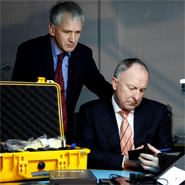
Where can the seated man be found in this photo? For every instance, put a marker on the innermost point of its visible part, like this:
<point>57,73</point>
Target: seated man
<point>110,128</point>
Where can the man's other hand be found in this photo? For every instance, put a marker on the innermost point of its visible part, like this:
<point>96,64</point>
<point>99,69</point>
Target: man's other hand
<point>148,161</point>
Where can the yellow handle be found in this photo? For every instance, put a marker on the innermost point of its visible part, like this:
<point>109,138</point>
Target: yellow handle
<point>41,80</point>
<point>30,176</point>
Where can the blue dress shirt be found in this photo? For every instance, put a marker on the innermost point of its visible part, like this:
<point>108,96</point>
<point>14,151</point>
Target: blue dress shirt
<point>65,62</point>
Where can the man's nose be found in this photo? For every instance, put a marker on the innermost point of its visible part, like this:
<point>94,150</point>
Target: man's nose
<point>137,95</point>
<point>72,37</point>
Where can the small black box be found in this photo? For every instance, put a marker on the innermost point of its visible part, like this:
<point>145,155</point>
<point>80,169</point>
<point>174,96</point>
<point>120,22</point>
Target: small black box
<point>134,154</point>
<point>72,177</point>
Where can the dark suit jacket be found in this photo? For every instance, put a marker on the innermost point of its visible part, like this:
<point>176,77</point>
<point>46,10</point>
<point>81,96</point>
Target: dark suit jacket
<point>98,131</point>
<point>34,59</point>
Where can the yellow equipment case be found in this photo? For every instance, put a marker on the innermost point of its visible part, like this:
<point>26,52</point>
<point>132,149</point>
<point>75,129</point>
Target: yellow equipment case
<point>32,109</point>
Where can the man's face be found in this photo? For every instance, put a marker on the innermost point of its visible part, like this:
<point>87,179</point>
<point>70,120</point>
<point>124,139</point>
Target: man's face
<point>66,35</point>
<point>130,87</point>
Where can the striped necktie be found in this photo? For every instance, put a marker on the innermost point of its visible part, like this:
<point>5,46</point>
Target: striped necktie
<point>59,79</point>
<point>126,134</point>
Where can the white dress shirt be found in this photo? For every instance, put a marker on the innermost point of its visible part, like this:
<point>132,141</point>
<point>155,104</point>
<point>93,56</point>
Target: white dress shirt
<point>119,118</point>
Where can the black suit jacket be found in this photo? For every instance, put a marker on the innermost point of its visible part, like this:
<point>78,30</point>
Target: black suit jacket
<point>98,131</point>
<point>34,59</point>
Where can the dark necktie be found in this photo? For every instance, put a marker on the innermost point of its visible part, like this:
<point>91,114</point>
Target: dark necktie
<point>59,79</point>
<point>126,135</point>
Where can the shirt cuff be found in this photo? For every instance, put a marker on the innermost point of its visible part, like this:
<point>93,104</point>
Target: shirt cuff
<point>123,162</point>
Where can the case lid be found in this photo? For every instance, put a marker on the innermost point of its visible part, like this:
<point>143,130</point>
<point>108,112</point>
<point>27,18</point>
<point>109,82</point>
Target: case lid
<point>30,109</point>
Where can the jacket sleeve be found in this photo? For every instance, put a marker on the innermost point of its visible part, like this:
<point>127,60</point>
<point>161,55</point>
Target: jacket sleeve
<point>33,60</point>
<point>95,81</point>
<point>25,66</point>
<point>164,138</point>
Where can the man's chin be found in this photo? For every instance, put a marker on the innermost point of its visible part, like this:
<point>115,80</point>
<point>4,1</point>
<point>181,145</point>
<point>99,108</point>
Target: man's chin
<point>68,50</point>
<point>132,107</point>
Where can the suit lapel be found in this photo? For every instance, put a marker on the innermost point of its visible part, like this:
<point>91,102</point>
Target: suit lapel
<point>74,69</point>
<point>110,128</point>
<point>47,58</point>
<point>141,123</point>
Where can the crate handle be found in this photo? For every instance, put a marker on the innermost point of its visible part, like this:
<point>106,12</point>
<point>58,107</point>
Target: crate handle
<point>23,168</point>
<point>21,173</point>
<point>41,79</point>
<point>30,176</point>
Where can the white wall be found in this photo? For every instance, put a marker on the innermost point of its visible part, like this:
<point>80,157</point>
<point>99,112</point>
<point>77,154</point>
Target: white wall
<point>153,31</point>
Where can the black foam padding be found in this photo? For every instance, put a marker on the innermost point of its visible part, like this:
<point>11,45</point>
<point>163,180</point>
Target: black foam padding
<point>28,111</point>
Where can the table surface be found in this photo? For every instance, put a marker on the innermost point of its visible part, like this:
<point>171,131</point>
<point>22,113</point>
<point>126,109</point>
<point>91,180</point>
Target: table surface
<point>104,174</point>
<point>99,174</point>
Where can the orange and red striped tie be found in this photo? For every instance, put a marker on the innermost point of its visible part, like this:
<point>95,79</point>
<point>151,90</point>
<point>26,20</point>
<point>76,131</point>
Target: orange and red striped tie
<point>126,134</point>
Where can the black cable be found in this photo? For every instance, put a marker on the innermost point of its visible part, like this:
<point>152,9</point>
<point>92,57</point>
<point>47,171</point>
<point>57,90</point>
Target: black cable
<point>113,176</point>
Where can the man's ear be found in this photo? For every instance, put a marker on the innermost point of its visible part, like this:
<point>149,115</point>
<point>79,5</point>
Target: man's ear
<point>114,83</point>
<point>51,29</point>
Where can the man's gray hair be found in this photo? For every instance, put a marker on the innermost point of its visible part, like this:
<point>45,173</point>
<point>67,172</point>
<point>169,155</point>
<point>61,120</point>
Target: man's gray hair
<point>126,64</point>
<point>61,8</point>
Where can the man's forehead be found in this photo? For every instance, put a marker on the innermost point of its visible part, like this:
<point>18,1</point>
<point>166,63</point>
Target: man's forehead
<point>135,77</point>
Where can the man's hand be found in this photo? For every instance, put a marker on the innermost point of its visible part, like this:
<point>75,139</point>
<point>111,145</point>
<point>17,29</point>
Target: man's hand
<point>132,163</point>
<point>148,161</point>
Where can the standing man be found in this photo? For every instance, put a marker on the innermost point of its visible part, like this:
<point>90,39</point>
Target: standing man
<point>58,56</point>
<point>146,122</point>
